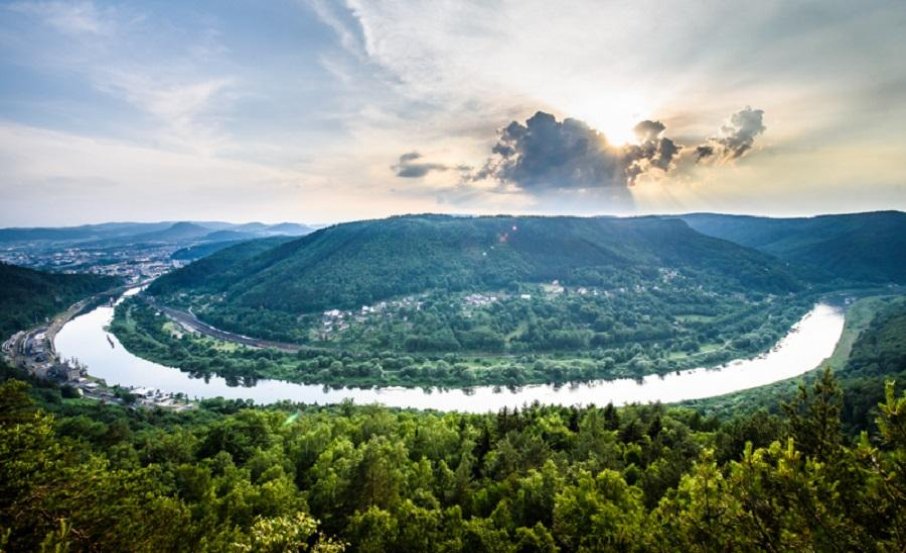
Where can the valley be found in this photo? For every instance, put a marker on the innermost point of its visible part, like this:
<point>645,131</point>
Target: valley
<point>481,411</point>
<point>343,276</point>
<point>432,300</point>
<point>807,344</point>
<point>382,348</point>
<point>499,301</point>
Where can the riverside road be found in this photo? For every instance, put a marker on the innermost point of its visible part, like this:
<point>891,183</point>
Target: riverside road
<point>193,324</point>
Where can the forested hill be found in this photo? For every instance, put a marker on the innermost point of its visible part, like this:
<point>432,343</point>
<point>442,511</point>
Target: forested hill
<point>857,246</point>
<point>80,476</point>
<point>359,263</point>
<point>28,296</point>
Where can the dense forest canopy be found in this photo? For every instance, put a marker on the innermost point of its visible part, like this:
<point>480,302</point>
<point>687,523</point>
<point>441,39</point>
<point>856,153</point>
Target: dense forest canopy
<point>28,297</point>
<point>359,263</point>
<point>80,476</point>
<point>511,342</point>
<point>856,247</point>
<point>264,291</point>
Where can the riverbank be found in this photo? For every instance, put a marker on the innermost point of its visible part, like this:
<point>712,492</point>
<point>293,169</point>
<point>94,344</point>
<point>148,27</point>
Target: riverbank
<point>810,341</point>
<point>859,316</point>
<point>175,338</point>
<point>34,351</point>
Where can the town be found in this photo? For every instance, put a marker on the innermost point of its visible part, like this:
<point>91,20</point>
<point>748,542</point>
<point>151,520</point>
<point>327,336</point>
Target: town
<point>132,263</point>
<point>34,351</point>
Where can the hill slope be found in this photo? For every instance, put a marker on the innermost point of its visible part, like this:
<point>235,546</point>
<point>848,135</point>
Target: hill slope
<point>27,296</point>
<point>359,263</point>
<point>859,246</point>
<point>218,257</point>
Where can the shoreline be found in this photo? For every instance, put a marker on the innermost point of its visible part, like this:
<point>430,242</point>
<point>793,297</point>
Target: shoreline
<point>143,373</point>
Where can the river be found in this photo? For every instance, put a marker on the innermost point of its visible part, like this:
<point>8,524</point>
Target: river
<point>808,343</point>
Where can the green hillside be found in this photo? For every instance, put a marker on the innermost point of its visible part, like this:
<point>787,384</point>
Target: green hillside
<point>359,263</point>
<point>859,246</point>
<point>27,297</point>
<point>431,283</point>
<point>205,249</point>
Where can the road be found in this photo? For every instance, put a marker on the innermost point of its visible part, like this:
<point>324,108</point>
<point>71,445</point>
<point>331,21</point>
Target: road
<point>192,323</point>
<point>16,347</point>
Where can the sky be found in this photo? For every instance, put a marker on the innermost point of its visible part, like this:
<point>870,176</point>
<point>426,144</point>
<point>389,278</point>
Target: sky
<point>315,111</point>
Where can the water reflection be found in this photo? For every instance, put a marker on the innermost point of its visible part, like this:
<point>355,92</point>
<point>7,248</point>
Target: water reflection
<point>809,342</point>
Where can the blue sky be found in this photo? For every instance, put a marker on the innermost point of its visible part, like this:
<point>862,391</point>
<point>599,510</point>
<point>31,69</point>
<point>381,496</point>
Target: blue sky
<point>318,111</point>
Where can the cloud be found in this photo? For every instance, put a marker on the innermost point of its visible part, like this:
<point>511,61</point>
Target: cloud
<point>75,178</point>
<point>183,106</point>
<point>546,154</point>
<point>174,81</point>
<point>73,18</point>
<point>703,151</point>
<point>649,130</point>
<point>343,23</point>
<point>653,150</point>
<point>737,136</point>
<point>569,163</point>
<point>409,168</point>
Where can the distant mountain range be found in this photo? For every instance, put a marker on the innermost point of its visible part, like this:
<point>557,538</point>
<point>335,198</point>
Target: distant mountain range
<point>183,233</point>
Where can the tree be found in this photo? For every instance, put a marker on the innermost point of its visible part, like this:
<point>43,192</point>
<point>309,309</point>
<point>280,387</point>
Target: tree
<point>600,513</point>
<point>814,416</point>
<point>296,533</point>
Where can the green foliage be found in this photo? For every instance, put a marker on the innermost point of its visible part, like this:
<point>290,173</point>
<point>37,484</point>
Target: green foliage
<point>852,247</point>
<point>814,416</point>
<point>283,534</point>
<point>444,341</point>
<point>28,297</point>
<point>81,476</point>
<point>249,288</point>
<point>877,355</point>
<point>224,259</point>
<point>871,351</point>
<point>227,477</point>
<point>197,251</point>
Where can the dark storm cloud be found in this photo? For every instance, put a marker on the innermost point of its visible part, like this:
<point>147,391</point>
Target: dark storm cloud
<point>653,150</point>
<point>408,166</point>
<point>703,151</point>
<point>545,157</point>
<point>737,136</point>
<point>546,154</point>
<point>649,130</point>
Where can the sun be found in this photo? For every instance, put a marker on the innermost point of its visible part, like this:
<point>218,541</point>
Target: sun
<point>614,117</point>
